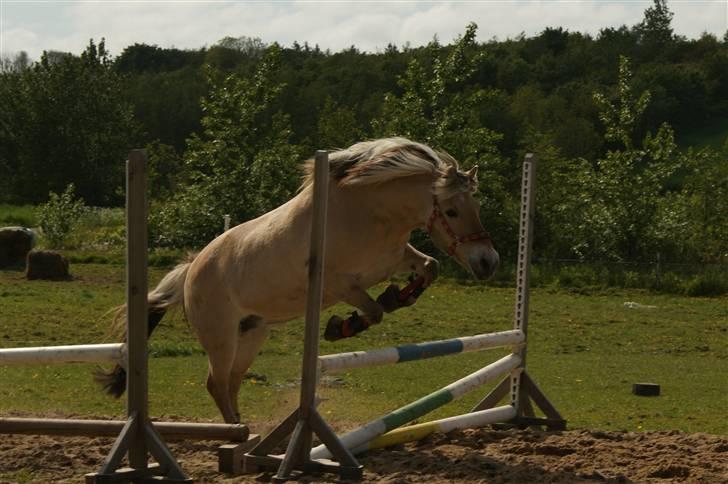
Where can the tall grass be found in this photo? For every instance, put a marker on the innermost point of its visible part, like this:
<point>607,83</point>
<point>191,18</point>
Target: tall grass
<point>21,215</point>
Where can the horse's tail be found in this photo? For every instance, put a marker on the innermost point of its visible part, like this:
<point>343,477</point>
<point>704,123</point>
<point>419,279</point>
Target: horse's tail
<point>168,293</point>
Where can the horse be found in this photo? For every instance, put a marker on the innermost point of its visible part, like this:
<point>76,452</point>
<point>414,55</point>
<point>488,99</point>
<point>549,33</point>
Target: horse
<point>255,274</point>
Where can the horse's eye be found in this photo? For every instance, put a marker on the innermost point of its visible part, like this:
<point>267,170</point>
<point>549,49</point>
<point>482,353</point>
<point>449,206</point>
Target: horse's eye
<point>451,213</point>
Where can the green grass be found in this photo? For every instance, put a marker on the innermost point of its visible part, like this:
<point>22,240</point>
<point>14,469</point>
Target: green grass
<point>21,215</point>
<point>585,351</point>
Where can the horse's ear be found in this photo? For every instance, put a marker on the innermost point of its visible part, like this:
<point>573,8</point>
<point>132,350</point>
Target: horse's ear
<point>472,173</point>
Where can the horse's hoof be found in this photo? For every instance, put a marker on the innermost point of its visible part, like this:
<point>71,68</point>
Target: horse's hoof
<point>333,330</point>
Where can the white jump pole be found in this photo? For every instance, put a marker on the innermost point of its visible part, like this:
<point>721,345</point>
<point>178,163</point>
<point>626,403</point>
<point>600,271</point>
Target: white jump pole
<point>46,355</point>
<point>419,351</point>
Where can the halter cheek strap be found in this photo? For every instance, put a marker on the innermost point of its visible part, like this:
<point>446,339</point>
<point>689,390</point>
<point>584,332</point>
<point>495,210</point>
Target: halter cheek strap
<point>456,240</point>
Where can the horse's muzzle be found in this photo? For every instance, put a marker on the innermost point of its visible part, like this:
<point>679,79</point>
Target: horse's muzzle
<point>485,265</point>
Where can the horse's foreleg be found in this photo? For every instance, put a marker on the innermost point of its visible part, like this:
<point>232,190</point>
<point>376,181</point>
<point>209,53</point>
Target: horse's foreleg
<point>422,264</point>
<point>338,328</point>
<point>415,261</point>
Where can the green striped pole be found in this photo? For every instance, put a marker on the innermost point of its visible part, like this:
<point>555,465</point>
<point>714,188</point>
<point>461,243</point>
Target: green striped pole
<point>423,406</point>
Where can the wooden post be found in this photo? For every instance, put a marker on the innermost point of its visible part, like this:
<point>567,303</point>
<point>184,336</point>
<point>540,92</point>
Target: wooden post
<point>305,420</point>
<point>299,447</point>
<point>136,304</point>
<point>138,437</point>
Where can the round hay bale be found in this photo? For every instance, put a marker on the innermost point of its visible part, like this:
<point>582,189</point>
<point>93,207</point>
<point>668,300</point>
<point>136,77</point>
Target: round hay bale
<point>15,243</point>
<point>48,265</point>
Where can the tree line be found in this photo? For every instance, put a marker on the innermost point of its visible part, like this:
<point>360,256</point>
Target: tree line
<point>227,127</point>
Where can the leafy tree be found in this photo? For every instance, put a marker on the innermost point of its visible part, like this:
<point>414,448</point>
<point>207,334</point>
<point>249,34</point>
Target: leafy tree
<point>252,47</point>
<point>656,29</point>
<point>436,107</point>
<point>242,163</point>
<point>60,215</point>
<point>64,120</point>
<point>623,188</point>
<point>691,223</point>
<point>165,169</point>
<point>620,118</point>
<point>20,62</point>
<point>337,126</point>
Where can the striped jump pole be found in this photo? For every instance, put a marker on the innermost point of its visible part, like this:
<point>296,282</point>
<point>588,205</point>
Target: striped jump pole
<point>421,351</point>
<point>445,425</point>
<point>358,437</point>
<point>46,355</point>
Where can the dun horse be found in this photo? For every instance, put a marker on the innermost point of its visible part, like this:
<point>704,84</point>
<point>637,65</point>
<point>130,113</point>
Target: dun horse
<point>255,274</point>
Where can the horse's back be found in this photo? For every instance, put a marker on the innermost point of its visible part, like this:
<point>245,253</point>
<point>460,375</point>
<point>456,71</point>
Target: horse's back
<point>256,268</point>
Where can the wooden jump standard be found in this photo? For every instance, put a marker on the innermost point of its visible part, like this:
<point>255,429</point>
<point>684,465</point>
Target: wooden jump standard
<point>138,436</point>
<point>381,432</point>
<point>305,420</point>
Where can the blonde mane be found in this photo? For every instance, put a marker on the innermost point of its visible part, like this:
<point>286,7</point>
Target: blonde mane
<point>383,160</point>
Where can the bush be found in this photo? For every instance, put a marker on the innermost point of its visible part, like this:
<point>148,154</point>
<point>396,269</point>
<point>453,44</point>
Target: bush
<point>60,215</point>
<point>581,277</point>
<point>670,283</point>
<point>708,284</point>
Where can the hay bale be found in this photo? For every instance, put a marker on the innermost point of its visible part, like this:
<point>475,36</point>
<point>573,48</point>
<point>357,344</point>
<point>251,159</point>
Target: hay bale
<point>15,243</point>
<point>47,264</point>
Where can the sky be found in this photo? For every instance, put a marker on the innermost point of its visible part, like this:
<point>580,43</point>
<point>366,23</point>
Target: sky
<point>37,25</point>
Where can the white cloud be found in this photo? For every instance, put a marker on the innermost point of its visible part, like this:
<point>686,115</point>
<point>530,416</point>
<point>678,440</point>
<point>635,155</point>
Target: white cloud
<point>336,25</point>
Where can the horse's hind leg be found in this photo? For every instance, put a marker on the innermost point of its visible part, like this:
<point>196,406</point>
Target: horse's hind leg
<point>218,379</point>
<point>220,343</point>
<point>253,333</point>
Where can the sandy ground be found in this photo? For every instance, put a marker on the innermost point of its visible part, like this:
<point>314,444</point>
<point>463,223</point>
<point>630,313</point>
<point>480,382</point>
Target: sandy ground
<point>485,455</point>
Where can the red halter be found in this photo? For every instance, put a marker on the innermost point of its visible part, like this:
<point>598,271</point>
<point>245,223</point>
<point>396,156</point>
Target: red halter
<point>456,240</point>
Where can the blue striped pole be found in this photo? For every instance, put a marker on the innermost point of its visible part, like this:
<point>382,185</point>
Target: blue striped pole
<point>358,437</point>
<point>432,349</point>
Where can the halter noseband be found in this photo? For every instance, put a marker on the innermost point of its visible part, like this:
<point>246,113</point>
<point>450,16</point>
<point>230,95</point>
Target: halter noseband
<point>456,239</point>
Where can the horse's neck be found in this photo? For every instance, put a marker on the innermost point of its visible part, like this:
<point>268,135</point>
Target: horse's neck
<point>404,203</point>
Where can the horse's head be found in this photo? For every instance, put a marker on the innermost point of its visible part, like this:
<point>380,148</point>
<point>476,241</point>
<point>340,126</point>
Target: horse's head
<point>455,226</point>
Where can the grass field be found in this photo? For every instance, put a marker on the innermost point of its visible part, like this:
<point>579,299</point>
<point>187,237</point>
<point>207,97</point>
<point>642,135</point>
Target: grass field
<point>585,351</point>
<point>22,215</point>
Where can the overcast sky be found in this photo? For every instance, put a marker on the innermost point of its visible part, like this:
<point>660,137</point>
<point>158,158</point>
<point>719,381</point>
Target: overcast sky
<point>34,26</point>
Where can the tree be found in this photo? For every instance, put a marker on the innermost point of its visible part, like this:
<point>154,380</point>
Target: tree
<point>19,63</point>
<point>241,164</point>
<point>622,191</point>
<point>692,222</point>
<point>252,47</point>
<point>620,118</point>
<point>337,126</point>
<point>655,30</point>
<point>64,120</point>
<point>437,107</point>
